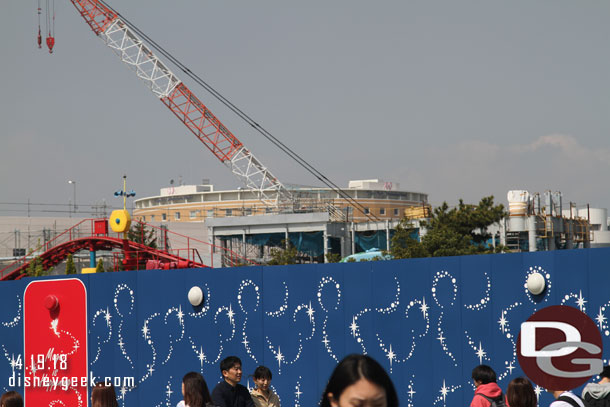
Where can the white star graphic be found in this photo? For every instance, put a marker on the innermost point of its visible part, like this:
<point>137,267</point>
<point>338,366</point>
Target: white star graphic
<point>279,357</point>
<point>310,312</point>
<point>245,341</point>
<point>411,392</point>
<point>424,307</point>
<point>180,314</point>
<point>325,341</point>
<point>444,390</point>
<point>601,318</point>
<point>441,338</point>
<point>169,391</point>
<point>150,370</point>
<point>538,390</point>
<point>107,317</point>
<point>502,321</point>
<point>481,353</point>
<point>510,367</point>
<point>201,355</point>
<point>145,331</point>
<point>391,355</point>
<point>298,393</point>
<point>354,327</point>
<point>230,314</point>
<point>581,301</point>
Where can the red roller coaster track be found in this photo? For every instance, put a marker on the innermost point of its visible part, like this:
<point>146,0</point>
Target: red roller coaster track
<point>87,235</point>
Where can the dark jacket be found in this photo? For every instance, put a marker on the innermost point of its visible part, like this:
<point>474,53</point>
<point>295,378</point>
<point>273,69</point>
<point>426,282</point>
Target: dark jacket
<point>225,395</point>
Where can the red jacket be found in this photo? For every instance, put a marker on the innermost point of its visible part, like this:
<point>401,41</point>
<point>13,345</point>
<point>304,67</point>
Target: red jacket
<point>491,390</point>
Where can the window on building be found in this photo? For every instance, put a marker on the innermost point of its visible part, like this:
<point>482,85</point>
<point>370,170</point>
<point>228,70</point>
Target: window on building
<point>366,211</point>
<point>163,216</point>
<point>152,218</point>
<point>382,211</point>
<point>143,219</point>
<point>228,212</point>
<point>210,213</point>
<point>247,211</point>
<point>395,211</point>
<point>177,216</point>
<point>193,214</point>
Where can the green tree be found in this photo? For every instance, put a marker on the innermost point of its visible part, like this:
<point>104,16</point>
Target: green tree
<point>35,268</point>
<point>453,231</point>
<point>100,267</point>
<point>70,267</point>
<point>283,255</point>
<point>139,233</point>
<point>333,257</point>
<point>403,245</point>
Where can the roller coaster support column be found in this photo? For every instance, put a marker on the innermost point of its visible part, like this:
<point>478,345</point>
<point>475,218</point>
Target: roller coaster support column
<point>92,261</point>
<point>129,263</point>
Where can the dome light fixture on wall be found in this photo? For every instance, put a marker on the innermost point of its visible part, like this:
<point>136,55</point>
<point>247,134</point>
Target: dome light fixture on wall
<point>195,296</point>
<point>536,283</point>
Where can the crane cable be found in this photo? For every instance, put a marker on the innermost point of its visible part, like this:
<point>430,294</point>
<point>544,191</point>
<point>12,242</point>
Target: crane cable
<point>301,161</point>
<point>39,32</point>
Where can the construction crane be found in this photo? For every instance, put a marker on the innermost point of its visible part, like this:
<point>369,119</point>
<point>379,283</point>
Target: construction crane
<point>174,94</point>
<point>122,37</point>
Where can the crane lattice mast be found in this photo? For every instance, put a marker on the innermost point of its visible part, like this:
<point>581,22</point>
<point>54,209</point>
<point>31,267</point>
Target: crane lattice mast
<point>174,94</point>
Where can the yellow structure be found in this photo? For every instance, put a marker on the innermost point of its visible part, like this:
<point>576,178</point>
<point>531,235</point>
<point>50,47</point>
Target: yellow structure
<point>120,221</point>
<point>88,270</point>
<point>418,212</point>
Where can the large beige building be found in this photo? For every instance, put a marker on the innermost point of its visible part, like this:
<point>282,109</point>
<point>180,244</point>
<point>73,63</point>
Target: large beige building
<point>195,203</point>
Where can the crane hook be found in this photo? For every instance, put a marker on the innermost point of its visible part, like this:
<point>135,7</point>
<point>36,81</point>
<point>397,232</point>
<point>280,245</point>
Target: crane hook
<point>50,43</point>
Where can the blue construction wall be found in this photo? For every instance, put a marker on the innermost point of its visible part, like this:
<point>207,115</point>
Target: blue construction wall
<point>428,321</point>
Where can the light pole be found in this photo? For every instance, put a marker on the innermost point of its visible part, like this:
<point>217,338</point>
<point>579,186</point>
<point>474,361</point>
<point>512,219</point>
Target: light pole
<point>74,195</point>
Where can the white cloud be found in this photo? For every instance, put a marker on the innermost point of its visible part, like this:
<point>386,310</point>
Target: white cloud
<point>566,145</point>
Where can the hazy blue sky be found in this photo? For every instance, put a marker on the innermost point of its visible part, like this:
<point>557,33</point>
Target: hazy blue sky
<point>452,98</point>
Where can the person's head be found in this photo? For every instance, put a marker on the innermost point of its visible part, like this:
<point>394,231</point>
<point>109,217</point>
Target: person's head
<point>520,393</point>
<point>359,379</point>
<point>230,368</point>
<point>483,374</point>
<point>262,378</point>
<point>195,390</point>
<point>11,399</point>
<point>605,375</point>
<point>103,396</point>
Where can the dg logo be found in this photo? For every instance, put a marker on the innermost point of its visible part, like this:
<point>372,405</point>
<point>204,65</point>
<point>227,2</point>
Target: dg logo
<point>560,348</point>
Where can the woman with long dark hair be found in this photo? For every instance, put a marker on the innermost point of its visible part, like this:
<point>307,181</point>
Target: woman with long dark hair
<point>103,396</point>
<point>195,391</point>
<point>520,393</point>
<point>359,379</point>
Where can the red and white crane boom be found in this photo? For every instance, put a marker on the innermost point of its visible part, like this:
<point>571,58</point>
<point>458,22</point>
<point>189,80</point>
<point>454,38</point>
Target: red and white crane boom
<point>174,94</point>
